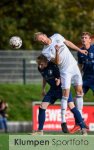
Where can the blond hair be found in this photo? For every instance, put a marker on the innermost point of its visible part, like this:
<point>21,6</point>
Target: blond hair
<point>38,34</point>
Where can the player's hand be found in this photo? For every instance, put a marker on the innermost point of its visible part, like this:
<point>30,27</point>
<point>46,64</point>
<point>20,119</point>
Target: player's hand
<point>57,47</point>
<point>85,52</point>
<point>57,81</point>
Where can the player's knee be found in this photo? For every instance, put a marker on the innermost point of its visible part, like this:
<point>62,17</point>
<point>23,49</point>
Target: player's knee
<point>65,92</point>
<point>44,105</point>
<point>79,95</point>
<point>71,105</point>
<point>79,92</point>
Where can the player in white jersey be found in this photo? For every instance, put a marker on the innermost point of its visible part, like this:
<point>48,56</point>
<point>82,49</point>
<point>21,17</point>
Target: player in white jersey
<point>55,49</point>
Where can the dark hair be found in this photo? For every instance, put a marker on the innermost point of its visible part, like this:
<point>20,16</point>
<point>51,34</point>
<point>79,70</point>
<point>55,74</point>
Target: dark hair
<point>42,58</point>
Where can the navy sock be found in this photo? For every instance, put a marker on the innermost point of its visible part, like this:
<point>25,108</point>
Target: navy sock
<point>78,117</point>
<point>41,118</point>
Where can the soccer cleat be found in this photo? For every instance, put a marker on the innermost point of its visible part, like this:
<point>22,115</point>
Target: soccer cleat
<point>64,127</point>
<point>75,129</point>
<point>37,133</point>
<point>85,125</point>
<point>84,131</point>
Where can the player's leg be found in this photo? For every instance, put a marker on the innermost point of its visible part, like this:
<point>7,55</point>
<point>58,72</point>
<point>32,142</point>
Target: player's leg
<point>88,83</point>
<point>64,101</point>
<point>73,110</point>
<point>64,104</point>
<point>79,93</point>
<point>79,98</point>
<point>65,84</point>
<point>77,80</point>
<point>41,119</point>
<point>48,99</point>
<point>79,102</point>
<point>41,116</point>
<point>78,118</point>
<point>85,86</point>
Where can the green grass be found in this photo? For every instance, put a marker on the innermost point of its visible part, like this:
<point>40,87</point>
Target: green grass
<point>4,142</point>
<point>20,97</point>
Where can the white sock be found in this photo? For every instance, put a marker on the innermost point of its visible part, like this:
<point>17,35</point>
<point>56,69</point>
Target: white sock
<point>63,108</point>
<point>79,103</point>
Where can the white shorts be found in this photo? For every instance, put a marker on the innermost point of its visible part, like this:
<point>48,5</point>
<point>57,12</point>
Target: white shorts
<point>72,75</point>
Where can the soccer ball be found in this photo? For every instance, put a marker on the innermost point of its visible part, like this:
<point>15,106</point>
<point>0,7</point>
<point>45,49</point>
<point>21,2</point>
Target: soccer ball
<point>15,42</point>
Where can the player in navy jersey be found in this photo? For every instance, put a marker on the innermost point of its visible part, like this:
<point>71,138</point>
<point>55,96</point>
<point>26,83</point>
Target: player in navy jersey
<point>51,75</point>
<point>86,63</point>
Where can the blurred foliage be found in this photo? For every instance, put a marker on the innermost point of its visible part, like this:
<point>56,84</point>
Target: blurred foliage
<point>25,17</point>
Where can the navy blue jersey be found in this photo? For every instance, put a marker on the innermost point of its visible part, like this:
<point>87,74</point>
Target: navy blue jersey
<point>50,73</point>
<point>55,92</point>
<point>87,61</point>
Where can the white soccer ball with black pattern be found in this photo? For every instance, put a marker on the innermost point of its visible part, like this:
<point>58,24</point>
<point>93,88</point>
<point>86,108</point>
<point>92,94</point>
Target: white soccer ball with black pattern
<point>15,42</point>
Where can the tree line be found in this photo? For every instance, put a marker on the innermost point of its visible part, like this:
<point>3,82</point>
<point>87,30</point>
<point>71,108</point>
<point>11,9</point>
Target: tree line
<point>25,17</point>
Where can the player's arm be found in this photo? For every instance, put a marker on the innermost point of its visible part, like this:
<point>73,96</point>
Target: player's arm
<point>56,74</point>
<point>74,47</point>
<point>43,86</point>
<point>56,60</point>
<point>57,80</point>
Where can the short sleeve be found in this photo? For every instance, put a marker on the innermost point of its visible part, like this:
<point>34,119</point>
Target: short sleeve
<point>60,37</point>
<point>49,56</point>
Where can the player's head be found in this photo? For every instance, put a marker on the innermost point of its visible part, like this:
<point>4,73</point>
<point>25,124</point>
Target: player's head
<point>86,38</point>
<point>42,38</point>
<point>42,61</point>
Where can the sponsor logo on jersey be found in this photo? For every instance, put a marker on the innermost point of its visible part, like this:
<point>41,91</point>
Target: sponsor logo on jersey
<point>91,55</point>
<point>50,72</point>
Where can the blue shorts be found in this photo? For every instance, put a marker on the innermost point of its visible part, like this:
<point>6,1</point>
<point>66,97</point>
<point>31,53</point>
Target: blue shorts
<point>88,83</point>
<point>53,95</point>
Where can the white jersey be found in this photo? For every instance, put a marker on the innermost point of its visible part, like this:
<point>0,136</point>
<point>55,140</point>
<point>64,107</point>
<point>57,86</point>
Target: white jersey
<point>65,56</point>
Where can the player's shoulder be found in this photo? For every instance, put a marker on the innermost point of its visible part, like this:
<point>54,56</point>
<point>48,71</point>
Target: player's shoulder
<point>53,65</point>
<point>92,46</point>
<point>50,63</point>
<point>56,35</point>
